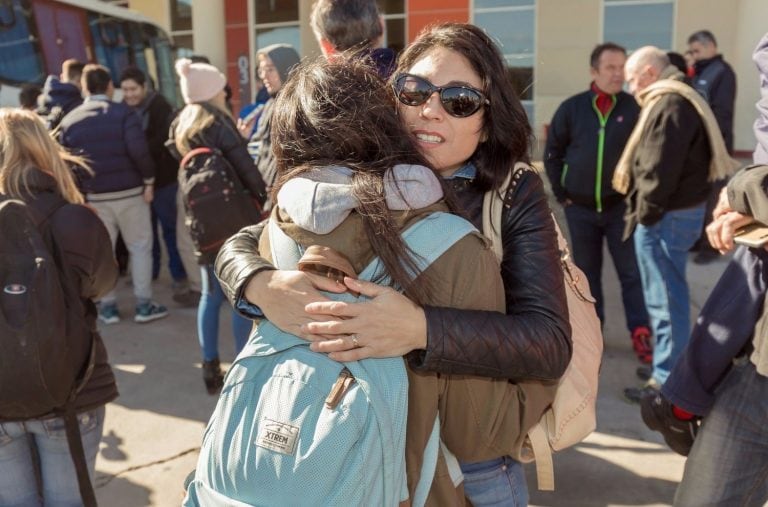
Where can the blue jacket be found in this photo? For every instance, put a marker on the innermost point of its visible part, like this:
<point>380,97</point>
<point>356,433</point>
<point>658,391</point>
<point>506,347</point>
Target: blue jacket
<point>583,148</point>
<point>57,94</point>
<point>110,136</point>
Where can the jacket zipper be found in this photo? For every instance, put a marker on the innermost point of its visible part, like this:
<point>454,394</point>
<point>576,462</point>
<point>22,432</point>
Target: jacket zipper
<point>340,388</point>
<point>600,149</point>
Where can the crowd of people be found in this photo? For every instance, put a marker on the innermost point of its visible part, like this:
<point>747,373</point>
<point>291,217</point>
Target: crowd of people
<point>341,159</point>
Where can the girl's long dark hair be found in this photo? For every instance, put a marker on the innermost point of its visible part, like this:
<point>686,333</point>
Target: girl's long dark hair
<point>507,131</point>
<point>341,113</point>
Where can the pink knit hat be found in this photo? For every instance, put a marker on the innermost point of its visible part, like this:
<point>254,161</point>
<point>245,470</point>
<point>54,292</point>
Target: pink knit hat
<point>199,81</point>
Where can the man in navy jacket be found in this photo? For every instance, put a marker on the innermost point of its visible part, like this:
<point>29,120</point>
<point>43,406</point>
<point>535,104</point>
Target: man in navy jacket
<point>120,186</point>
<point>584,142</point>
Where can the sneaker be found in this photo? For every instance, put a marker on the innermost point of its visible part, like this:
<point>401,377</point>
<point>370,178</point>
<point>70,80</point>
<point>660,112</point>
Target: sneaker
<point>642,344</point>
<point>657,414</point>
<point>188,299</point>
<point>635,394</point>
<point>147,312</point>
<point>108,314</point>
<point>213,376</point>
<point>644,373</point>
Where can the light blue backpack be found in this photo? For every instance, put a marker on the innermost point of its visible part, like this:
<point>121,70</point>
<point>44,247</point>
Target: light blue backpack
<point>293,427</point>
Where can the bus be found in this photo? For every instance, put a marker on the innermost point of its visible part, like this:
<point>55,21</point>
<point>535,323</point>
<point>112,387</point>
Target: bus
<point>36,36</point>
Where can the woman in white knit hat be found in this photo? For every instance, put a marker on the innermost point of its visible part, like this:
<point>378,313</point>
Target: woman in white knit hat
<point>205,122</point>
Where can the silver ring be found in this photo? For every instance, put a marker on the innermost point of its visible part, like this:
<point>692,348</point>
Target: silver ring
<point>354,341</point>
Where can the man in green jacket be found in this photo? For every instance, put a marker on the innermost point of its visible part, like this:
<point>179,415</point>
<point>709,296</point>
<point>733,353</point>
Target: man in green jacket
<point>585,140</point>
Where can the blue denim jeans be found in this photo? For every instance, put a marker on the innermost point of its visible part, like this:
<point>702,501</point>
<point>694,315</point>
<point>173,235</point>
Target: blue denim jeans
<point>662,254</point>
<point>211,300</point>
<point>588,229</point>
<point>18,483</point>
<point>164,212</point>
<point>498,482</point>
<point>728,464</point>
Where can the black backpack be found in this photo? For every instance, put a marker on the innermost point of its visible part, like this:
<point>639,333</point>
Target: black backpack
<point>47,351</point>
<point>216,202</point>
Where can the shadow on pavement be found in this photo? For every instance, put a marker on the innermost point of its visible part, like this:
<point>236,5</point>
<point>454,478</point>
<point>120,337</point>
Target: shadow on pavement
<point>122,493</point>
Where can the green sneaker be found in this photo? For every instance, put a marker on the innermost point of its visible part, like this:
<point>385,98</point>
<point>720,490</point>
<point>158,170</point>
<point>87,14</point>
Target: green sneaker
<point>108,314</point>
<point>147,312</point>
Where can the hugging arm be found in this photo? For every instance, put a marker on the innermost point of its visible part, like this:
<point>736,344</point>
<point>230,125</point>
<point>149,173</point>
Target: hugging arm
<point>532,341</point>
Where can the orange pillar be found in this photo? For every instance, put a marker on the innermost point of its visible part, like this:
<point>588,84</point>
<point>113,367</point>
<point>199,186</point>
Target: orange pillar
<point>237,32</point>
<point>425,12</point>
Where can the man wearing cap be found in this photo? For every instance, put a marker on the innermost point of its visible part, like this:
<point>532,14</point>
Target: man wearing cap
<point>275,63</point>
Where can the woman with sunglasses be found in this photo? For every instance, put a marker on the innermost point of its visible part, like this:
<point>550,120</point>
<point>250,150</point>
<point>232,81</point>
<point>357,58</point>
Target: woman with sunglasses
<point>457,101</point>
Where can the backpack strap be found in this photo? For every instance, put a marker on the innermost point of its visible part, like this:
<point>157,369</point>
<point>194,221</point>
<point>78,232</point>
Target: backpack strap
<point>77,453</point>
<point>71,425</point>
<point>192,154</point>
<point>428,239</point>
<point>493,207</point>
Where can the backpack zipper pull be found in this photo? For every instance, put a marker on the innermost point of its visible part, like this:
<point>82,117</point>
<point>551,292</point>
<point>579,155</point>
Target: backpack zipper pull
<point>339,388</point>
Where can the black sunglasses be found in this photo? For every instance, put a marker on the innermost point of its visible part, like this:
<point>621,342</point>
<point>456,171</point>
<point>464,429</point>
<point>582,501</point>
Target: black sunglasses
<point>459,101</point>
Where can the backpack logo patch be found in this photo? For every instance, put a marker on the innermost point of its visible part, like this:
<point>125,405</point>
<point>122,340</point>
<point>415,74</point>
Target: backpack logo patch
<point>15,289</point>
<point>277,436</point>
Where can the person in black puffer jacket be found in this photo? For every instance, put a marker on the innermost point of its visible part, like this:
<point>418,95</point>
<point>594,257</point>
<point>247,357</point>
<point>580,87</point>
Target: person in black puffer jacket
<point>206,122</point>
<point>475,152</point>
<point>39,176</point>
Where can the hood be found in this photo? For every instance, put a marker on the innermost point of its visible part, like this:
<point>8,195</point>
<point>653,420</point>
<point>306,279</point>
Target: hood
<point>284,58</point>
<point>56,93</point>
<point>321,199</point>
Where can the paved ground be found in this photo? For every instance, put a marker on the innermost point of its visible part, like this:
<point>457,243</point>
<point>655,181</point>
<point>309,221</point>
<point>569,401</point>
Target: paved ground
<point>153,430</point>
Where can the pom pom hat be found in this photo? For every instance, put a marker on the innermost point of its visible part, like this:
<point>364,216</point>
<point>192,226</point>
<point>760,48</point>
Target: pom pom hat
<point>199,82</point>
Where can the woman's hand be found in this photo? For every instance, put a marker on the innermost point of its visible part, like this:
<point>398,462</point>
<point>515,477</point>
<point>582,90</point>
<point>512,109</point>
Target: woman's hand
<point>720,232</point>
<point>282,296</point>
<point>723,205</point>
<point>387,325</point>
<point>245,127</point>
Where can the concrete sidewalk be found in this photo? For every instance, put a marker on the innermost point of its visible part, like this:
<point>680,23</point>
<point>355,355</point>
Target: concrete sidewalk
<point>153,430</point>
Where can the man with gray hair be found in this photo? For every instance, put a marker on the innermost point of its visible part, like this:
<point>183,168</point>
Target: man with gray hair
<point>673,154</point>
<point>352,25</point>
<point>715,80</point>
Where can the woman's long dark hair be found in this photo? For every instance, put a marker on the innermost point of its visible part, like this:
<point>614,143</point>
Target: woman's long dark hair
<point>341,113</point>
<point>507,131</point>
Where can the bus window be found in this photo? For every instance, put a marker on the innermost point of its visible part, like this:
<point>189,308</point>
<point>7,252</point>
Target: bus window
<point>110,44</point>
<point>163,56</point>
<point>20,60</point>
<point>138,43</point>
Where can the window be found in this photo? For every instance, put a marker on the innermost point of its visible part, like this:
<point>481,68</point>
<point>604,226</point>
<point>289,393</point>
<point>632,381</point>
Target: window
<point>277,21</point>
<point>181,27</point>
<point>394,24</point>
<point>181,15</point>
<point>637,23</point>
<point>512,24</point>
<point>110,43</point>
<point>20,60</point>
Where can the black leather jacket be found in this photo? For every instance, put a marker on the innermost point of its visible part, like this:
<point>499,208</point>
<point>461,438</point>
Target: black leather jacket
<point>531,342</point>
